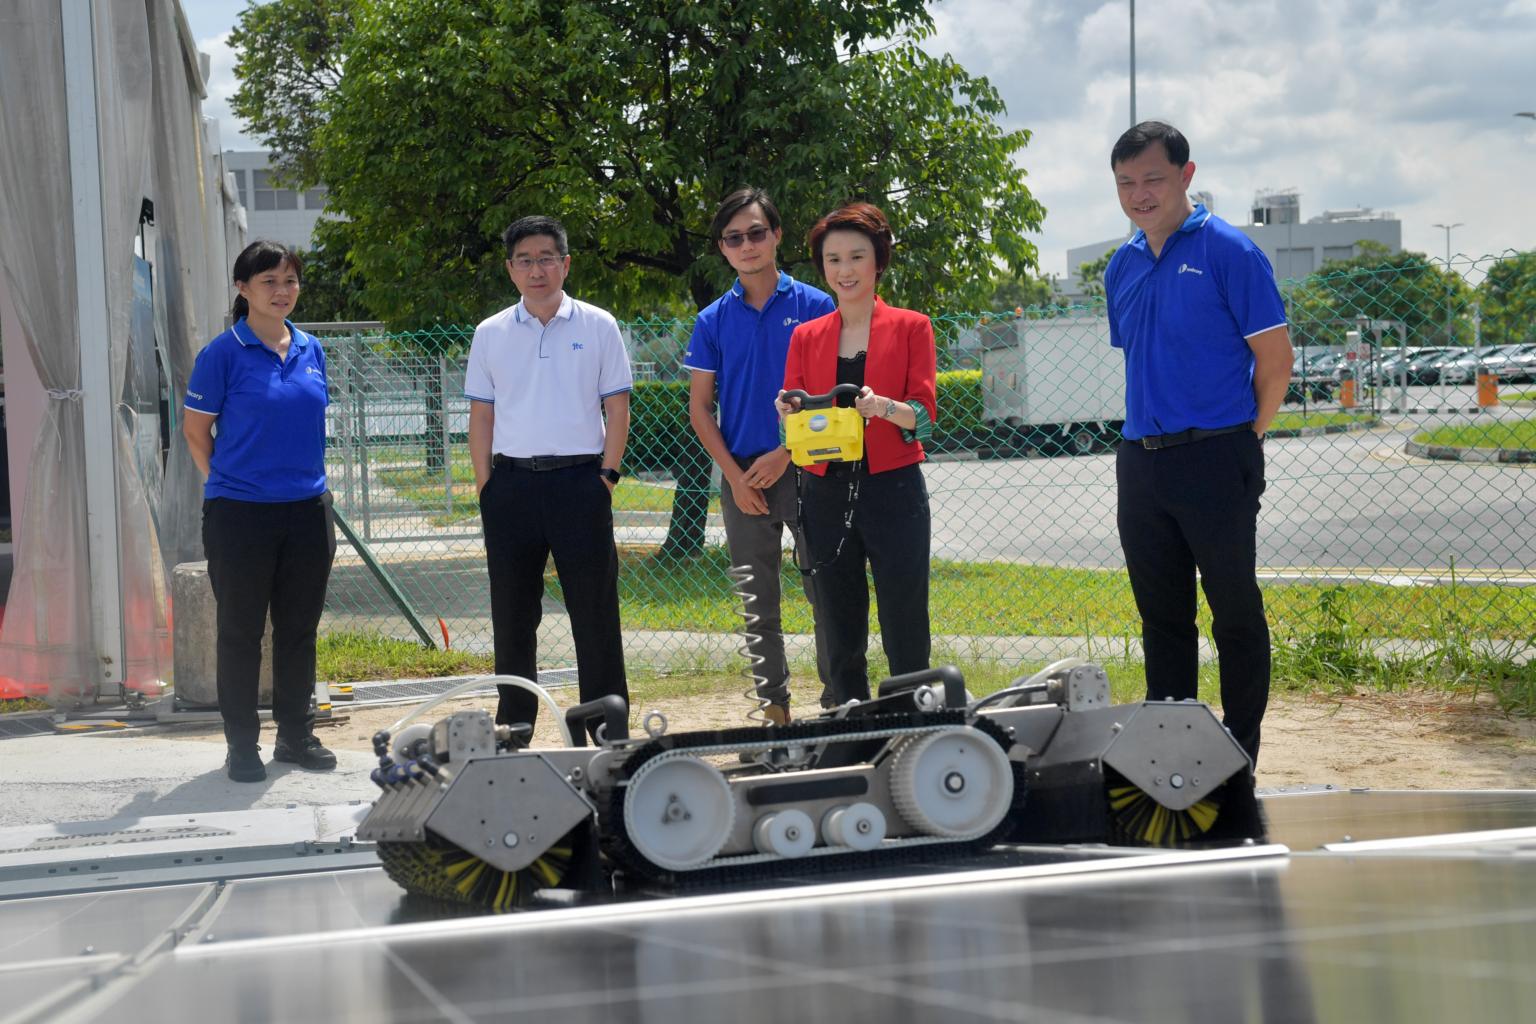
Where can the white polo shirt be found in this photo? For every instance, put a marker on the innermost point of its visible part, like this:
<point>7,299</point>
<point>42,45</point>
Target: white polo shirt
<point>548,382</point>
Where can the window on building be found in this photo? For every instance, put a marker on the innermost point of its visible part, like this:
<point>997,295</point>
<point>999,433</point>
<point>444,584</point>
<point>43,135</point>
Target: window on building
<point>314,199</point>
<point>240,187</point>
<point>1338,252</point>
<point>268,196</point>
<point>261,191</point>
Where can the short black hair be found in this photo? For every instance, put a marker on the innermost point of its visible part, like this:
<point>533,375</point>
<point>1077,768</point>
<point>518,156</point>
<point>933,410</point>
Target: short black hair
<point>527,227</point>
<point>737,201</point>
<point>1131,144</point>
<point>257,258</point>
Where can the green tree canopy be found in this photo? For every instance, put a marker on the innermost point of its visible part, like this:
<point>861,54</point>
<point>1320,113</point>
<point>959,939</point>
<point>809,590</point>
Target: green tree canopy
<point>1012,291</point>
<point>1379,284</point>
<point>1090,275</point>
<point>435,124</point>
<point>1507,298</point>
<point>332,292</point>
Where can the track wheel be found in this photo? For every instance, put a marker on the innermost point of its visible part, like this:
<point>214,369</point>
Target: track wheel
<point>956,783</point>
<point>678,812</point>
<point>442,870</point>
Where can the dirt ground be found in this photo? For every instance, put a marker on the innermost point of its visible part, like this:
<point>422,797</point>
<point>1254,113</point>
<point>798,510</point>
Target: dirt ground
<point>1418,740</point>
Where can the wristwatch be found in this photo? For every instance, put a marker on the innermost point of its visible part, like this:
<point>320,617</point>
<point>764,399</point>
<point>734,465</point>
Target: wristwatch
<point>611,475</point>
<point>890,408</point>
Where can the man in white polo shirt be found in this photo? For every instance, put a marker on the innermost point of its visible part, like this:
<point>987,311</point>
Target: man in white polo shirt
<point>543,377</point>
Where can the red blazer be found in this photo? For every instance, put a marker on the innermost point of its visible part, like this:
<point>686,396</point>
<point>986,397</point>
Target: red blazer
<point>900,364</point>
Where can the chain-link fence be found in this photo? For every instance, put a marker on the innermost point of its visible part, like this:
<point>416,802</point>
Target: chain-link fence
<point>1360,522</point>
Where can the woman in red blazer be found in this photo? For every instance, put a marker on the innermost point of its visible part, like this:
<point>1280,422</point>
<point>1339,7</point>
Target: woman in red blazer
<point>889,353</point>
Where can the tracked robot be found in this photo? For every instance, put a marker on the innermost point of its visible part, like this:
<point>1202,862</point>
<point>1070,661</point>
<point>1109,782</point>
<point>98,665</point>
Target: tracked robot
<point>471,814</point>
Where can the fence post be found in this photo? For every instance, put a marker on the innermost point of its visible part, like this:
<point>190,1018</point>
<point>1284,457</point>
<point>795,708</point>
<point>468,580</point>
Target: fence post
<point>447,434</point>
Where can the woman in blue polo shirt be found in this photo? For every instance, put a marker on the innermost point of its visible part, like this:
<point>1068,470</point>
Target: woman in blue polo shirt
<point>268,531</point>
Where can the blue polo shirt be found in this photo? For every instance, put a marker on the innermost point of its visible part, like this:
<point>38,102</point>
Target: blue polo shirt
<point>269,441</point>
<point>1183,319</point>
<point>746,350</point>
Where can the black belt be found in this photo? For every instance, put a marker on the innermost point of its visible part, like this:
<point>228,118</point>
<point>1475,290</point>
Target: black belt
<point>544,463</point>
<point>1155,441</point>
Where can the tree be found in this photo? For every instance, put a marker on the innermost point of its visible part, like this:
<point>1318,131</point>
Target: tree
<point>1020,291</point>
<point>288,59</point>
<point>630,119</point>
<point>1378,284</point>
<point>1507,299</point>
<point>332,292</point>
<point>1090,275</point>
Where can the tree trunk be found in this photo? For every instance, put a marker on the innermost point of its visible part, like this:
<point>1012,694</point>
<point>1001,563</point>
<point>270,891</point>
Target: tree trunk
<point>692,469</point>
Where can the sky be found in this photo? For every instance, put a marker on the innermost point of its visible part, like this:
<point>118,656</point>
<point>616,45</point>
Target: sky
<point>1400,105</point>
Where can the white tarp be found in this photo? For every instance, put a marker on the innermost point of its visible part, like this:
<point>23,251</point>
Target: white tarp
<point>151,141</point>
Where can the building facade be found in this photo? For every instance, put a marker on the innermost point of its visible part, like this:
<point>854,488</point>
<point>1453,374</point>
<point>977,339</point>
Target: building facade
<point>1294,248</point>
<point>272,212</point>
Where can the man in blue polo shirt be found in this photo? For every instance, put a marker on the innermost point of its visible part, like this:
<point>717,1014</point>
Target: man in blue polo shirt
<point>1194,306</point>
<point>737,352</point>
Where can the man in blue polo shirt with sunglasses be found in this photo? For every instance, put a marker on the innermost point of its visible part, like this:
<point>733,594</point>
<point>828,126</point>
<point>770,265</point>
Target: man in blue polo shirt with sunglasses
<point>1194,305</point>
<point>737,353</point>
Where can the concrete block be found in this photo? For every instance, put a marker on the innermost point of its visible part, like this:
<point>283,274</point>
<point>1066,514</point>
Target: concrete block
<point>195,639</point>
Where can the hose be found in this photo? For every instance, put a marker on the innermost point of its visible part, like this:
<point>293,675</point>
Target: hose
<point>742,577</point>
<point>517,681</point>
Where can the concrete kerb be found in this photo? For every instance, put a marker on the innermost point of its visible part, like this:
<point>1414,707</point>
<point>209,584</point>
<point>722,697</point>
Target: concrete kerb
<point>1331,428</point>
<point>1449,453</point>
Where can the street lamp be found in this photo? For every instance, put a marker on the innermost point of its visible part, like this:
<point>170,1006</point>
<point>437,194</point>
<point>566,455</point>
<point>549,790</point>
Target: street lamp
<point>1527,113</point>
<point>1450,333</point>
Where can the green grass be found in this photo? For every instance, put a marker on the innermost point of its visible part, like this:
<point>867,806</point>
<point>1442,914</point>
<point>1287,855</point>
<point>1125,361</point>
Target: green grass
<point>1324,635</point>
<point>1300,420</point>
<point>1001,599</point>
<point>424,488</point>
<point>1520,434</point>
<point>355,657</point>
<point>1517,396</point>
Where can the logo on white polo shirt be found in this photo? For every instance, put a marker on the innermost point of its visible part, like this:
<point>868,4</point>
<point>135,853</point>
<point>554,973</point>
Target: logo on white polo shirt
<point>1185,268</point>
<point>577,346</point>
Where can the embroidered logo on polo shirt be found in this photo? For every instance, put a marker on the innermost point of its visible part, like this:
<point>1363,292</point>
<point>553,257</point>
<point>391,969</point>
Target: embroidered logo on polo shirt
<point>1185,268</point>
<point>576,345</point>
<point>311,369</point>
<point>791,320</point>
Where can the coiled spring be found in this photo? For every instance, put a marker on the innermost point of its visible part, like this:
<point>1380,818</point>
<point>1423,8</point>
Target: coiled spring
<point>742,577</point>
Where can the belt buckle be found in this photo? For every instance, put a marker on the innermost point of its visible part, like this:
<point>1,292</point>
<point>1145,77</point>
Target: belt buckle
<point>1150,444</point>
<point>538,464</point>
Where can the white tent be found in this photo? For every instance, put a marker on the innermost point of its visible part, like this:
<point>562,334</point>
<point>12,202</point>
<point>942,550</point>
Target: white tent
<point>99,112</point>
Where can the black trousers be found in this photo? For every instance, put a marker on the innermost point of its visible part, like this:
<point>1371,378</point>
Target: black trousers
<point>529,516</point>
<point>277,556</point>
<point>1196,506</point>
<point>890,531</point>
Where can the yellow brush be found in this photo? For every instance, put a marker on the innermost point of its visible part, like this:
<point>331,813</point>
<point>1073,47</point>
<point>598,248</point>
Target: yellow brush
<point>1142,820</point>
<point>442,870</point>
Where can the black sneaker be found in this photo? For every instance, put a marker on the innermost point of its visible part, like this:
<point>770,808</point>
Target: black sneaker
<point>243,764</point>
<point>306,753</point>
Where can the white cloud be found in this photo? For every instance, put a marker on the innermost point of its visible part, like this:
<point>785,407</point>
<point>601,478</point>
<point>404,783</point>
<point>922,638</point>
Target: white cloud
<point>221,86</point>
<point>1403,106</point>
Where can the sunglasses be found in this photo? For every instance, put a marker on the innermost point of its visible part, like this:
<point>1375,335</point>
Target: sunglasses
<point>754,234</point>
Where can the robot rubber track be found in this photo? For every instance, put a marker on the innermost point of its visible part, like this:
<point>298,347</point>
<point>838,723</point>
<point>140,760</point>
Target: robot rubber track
<point>886,730</point>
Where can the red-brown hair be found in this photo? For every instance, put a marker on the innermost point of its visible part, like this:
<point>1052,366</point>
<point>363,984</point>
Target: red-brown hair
<point>866,219</point>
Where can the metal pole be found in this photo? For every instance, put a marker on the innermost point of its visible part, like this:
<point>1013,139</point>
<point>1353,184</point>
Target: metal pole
<point>82,106</point>
<point>1133,63</point>
<point>1450,288</point>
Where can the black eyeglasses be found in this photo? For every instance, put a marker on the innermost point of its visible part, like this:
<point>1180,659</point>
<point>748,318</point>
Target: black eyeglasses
<point>756,233</point>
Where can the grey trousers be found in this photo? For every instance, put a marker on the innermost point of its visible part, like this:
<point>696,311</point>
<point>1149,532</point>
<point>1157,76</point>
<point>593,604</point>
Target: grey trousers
<point>757,542</point>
